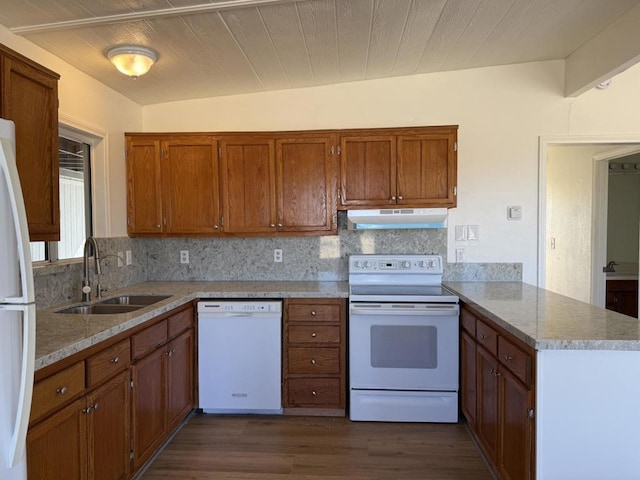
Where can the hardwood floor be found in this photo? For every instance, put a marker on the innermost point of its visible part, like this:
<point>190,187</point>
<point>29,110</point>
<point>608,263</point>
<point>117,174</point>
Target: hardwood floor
<point>314,448</point>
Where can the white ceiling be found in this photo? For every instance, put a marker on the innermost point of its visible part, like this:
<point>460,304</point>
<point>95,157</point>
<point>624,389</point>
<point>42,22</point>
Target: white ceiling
<point>239,46</point>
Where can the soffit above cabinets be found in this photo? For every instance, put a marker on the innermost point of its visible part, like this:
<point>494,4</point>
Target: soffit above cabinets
<point>231,47</point>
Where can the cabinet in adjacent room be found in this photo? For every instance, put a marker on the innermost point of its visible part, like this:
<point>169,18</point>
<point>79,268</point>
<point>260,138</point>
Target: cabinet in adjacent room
<point>29,97</point>
<point>622,297</point>
<point>172,185</point>
<point>314,370</point>
<point>411,167</point>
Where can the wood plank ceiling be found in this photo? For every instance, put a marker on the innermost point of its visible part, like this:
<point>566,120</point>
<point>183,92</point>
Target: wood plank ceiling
<point>239,46</point>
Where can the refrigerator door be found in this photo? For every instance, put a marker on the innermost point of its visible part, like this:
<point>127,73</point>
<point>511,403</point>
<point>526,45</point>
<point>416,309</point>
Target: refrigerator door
<point>17,356</point>
<point>16,275</point>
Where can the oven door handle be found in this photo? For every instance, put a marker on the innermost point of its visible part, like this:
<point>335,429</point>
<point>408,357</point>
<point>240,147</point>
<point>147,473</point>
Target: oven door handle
<point>406,311</point>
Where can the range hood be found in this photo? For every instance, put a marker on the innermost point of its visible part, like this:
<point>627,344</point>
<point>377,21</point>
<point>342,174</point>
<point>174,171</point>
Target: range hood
<point>389,218</point>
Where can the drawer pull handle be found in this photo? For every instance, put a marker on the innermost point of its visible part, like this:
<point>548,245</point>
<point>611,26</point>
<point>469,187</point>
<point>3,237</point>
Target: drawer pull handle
<point>314,393</point>
<point>495,373</point>
<point>313,362</point>
<point>314,334</point>
<point>62,391</point>
<point>313,313</point>
<point>171,352</point>
<point>115,360</point>
<point>508,357</point>
<point>483,337</point>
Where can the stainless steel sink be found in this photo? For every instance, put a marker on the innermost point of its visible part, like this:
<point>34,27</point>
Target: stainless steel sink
<point>100,309</point>
<point>140,300</point>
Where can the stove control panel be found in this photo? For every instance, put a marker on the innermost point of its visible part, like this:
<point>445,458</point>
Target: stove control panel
<point>396,264</point>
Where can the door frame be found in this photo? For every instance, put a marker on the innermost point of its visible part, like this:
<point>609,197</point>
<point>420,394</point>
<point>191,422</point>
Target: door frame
<point>621,145</point>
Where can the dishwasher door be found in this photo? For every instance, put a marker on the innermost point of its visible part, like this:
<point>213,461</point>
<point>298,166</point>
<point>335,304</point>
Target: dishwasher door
<point>239,357</point>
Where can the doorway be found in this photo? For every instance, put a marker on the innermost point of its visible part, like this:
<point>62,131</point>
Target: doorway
<point>573,199</point>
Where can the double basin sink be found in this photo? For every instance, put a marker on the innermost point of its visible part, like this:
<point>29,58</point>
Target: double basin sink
<point>110,306</point>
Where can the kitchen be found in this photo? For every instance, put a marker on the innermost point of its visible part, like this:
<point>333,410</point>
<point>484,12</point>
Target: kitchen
<point>497,164</point>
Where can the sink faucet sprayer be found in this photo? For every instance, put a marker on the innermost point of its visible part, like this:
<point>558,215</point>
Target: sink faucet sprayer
<point>90,243</point>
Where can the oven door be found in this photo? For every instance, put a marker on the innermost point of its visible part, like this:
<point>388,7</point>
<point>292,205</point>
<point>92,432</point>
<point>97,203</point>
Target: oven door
<point>403,346</point>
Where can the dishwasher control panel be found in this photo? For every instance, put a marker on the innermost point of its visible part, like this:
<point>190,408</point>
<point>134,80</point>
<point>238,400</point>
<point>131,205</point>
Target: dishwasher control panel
<point>212,306</point>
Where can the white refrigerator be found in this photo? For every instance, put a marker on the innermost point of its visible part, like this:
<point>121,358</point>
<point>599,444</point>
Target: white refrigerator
<point>17,315</point>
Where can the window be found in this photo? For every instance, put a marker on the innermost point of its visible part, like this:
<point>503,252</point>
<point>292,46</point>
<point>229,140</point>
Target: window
<point>75,200</point>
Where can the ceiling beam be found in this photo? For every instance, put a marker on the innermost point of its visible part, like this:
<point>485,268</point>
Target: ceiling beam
<point>145,15</point>
<point>610,52</point>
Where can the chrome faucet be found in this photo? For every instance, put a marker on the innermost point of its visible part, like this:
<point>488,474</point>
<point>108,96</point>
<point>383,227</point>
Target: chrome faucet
<point>89,244</point>
<point>609,267</point>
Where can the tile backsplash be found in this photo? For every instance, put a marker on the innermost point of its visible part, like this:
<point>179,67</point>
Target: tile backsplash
<point>251,258</point>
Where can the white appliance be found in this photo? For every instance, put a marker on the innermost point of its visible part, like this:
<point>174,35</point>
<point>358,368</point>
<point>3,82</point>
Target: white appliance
<point>239,356</point>
<point>396,218</point>
<point>17,314</point>
<point>403,340</point>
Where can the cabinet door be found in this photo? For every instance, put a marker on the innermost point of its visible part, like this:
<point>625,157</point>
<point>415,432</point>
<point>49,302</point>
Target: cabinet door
<point>487,406</point>
<point>516,428</point>
<point>57,447</point>
<point>248,185</point>
<point>306,191</point>
<point>468,376</point>
<point>30,99</point>
<point>190,185</point>
<point>108,430</point>
<point>368,170</point>
<point>144,189</point>
<point>427,170</point>
<point>149,405</point>
<point>180,378</point>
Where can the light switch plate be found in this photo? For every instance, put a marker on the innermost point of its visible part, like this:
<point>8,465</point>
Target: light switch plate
<point>473,232</point>
<point>459,255</point>
<point>514,212</point>
<point>461,233</point>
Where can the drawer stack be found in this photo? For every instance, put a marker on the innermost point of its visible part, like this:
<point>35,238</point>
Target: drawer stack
<point>314,356</point>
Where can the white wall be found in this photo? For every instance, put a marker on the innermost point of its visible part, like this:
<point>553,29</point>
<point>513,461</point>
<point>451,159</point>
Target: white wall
<point>90,105</point>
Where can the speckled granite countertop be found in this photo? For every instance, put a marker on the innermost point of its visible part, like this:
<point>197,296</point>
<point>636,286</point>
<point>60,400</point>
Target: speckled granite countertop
<point>61,335</point>
<point>547,320</point>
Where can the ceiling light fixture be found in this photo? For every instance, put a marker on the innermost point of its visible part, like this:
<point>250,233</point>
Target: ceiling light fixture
<point>132,60</point>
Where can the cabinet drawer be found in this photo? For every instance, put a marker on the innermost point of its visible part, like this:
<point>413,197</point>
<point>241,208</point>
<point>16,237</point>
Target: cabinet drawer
<point>515,360</point>
<point>149,339</point>
<point>56,390</point>
<point>180,322</point>
<point>487,337</point>
<point>314,360</point>
<point>310,312</point>
<point>314,391</point>
<point>468,321</point>
<point>314,334</point>
<point>108,362</point>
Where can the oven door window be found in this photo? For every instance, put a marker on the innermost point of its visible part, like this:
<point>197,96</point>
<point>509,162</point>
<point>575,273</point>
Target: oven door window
<point>404,346</point>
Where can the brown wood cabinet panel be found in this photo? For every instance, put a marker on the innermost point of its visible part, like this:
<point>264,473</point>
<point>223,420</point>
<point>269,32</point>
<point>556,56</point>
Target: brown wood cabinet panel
<point>57,390</point>
<point>144,186</point>
<point>108,431</point>
<point>468,321</point>
<point>313,334</point>
<point>622,297</point>
<point>190,185</point>
<point>30,99</point>
<point>248,184</point>
<point>108,362</point>
<point>305,184</point>
<point>426,169</point>
<point>313,312</point>
<point>149,339</point>
<point>487,396</point>
<point>311,392</point>
<point>468,381</point>
<point>314,360</point>
<point>368,170</point>
<point>487,337</point>
<point>180,321</point>
<point>180,378</point>
<point>515,360</point>
<point>149,406</point>
<point>57,447</point>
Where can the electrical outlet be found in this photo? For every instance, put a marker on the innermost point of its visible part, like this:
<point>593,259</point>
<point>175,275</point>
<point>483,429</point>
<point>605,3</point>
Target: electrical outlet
<point>120,259</point>
<point>277,255</point>
<point>184,256</point>
<point>128,259</point>
<point>459,255</point>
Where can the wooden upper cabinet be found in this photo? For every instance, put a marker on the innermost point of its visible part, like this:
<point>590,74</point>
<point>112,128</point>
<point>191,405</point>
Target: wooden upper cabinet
<point>306,184</point>
<point>248,184</point>
<point>368,170</point>
<point>189,169</point>
<point>412,167</point>
<point>29,97</point>
<point>144,188</point>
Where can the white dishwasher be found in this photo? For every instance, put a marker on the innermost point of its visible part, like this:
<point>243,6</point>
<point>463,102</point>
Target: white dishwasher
<point>239,356</point>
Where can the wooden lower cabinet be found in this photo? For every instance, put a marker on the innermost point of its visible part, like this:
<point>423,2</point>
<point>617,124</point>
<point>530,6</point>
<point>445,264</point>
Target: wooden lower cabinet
<point>314,371</point>
<point>180,375</point>
<point>498,396</point>
<point>622,297</point>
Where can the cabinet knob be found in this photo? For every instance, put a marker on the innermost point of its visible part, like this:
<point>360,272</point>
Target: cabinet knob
<point>95,406</point>
<point>313,313</point>
<point>313,362</point>
<point>314,334</point>
<point>483,337</point>
<point>399,197</point>
<point>508,357</point>
<point>216,227</point>
<point>273,225</point>
<point>279,225</point>
<point>495,373</point>
<point>157,225</point>
<point>314,393</point>
<point>115,360</point>
<point>393,198</point>
<point>62,391</point>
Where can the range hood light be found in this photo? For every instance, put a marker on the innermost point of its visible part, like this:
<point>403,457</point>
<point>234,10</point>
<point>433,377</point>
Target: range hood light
<point>397,218</point>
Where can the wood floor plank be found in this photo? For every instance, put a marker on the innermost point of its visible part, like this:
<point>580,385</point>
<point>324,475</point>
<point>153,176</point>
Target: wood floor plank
<point>317,448</point>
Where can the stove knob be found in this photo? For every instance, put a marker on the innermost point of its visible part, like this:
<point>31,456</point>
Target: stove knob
<point>406,264</point>
<point>357,264</point>
<point>422,264</point>
<point>432,264</point>
<point>367,264</point>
